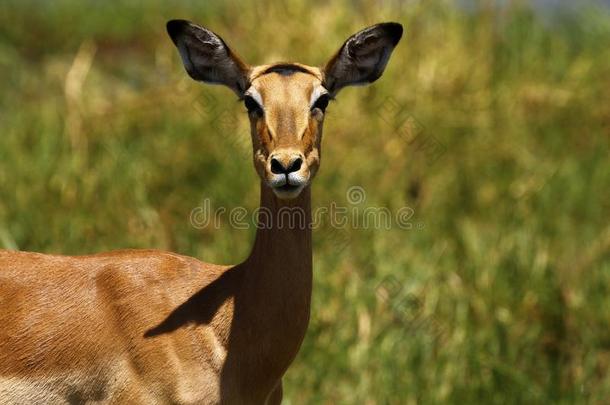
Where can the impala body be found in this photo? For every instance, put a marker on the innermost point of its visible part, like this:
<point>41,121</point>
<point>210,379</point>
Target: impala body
<point>153,327</point>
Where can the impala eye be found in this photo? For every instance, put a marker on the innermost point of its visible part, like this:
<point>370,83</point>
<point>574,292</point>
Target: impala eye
<point>321,102</point>
<point>252,106</point>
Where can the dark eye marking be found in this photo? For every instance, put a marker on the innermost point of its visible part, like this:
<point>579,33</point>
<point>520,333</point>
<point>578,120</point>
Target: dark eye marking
<point>321,103</point>
<point>252,106</point>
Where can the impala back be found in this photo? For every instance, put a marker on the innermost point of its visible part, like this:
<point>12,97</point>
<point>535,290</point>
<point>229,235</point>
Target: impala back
<point>74,329</point>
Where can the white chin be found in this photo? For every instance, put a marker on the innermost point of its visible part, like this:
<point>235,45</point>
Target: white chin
<point>287,193</point>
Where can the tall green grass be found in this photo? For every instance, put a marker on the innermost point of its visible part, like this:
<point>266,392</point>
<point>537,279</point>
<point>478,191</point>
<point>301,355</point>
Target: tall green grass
<point>500,291</point>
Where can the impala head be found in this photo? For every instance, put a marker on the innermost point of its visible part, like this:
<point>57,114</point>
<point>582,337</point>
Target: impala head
<point>286,102</point>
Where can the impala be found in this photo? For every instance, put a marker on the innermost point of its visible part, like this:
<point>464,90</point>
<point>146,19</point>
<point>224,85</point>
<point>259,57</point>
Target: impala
<point>152,327</point>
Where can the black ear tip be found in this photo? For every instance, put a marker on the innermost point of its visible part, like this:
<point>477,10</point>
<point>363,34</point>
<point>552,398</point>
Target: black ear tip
<point>394,30</point>
<point>175,27</point>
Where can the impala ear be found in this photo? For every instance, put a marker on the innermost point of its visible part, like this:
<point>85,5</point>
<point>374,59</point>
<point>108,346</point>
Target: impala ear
<point>363,57</point>
<point>206,57</point>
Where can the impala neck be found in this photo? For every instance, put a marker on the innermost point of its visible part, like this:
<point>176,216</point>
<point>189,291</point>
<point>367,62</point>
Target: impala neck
<point>278,274</point>
<point>283,234</point>
<point>271,304</point>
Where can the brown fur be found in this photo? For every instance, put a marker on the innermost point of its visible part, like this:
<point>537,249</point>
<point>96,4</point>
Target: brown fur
<point>145,326</point>
<point>153,327</point>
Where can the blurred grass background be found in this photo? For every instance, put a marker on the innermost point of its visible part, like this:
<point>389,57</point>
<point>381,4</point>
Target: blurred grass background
<point>500,293</point>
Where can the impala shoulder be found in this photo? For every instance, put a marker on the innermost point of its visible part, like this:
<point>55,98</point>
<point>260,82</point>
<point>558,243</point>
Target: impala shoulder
<point>154,260</point>
<point>145,269</point>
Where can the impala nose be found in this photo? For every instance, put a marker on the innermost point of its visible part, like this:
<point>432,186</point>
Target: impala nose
<point>286,164</point>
